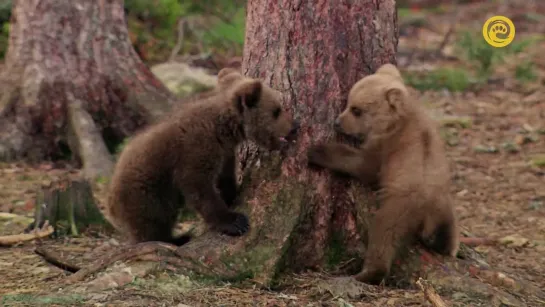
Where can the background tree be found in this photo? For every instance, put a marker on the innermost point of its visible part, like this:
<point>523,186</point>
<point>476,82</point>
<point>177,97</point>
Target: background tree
<point>73,84</point>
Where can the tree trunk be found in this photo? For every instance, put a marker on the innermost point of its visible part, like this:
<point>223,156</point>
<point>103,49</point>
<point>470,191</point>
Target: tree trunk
<point>300,218</point>
<point>72,79</point>
<point>313,53</point>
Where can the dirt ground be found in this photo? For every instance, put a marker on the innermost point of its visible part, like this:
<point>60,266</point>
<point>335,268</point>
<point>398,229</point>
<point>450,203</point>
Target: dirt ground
<point>496,144</point>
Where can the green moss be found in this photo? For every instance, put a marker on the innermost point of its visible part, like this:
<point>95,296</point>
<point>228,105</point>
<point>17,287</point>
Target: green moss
<point>336,251</point>
<point>36,300</point>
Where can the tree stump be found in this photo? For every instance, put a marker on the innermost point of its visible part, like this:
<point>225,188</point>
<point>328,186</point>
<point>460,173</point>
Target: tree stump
<point>69,206</point>
<point>73,83</point>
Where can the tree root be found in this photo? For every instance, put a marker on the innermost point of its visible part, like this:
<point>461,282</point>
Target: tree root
<point>55,260</point>
<point>430,293</point>
<point>125,253</point>
<point>10,240</point>
<point>202,257</point>
<point>87,141</point>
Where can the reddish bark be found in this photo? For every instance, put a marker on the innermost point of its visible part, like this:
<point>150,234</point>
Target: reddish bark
<point>313,52</point>
<point>61,52</point>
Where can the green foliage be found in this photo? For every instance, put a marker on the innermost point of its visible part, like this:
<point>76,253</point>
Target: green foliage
<point>228,34</point>
<point>452,79</point>
<point>164,12</point>
<point>480,53</point>
<point>5,15</point>
<point>525,72</point>
<point>211,26</point>
<point>484,56</point>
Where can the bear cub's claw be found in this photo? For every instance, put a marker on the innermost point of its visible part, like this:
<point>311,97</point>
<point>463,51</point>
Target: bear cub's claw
<point>239,225</point>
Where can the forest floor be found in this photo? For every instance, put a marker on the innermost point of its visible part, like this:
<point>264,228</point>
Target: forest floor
<point>496,144</point>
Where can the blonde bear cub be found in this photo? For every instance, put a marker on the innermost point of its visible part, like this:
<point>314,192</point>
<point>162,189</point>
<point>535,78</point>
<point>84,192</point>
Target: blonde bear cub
<point>397,146</point>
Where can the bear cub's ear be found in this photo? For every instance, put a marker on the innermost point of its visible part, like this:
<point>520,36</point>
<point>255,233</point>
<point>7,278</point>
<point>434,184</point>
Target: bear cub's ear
<point>395,97</point>
<point>227,77</point>
<point>390,70</point>
<point>247,94</point>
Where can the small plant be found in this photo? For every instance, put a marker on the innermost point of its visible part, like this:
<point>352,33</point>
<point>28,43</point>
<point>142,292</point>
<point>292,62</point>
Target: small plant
<point>484,56</point>
<point>478,52</point>
<point>525,72</point>
<point>452,79</point>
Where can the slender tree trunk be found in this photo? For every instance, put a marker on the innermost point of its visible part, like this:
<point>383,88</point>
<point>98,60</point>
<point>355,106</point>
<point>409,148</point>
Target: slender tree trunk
<point>71,79</point>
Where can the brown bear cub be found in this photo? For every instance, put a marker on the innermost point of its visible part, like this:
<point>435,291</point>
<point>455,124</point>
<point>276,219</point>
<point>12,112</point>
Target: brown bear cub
<point>191,154</point>
<point>398,147</point>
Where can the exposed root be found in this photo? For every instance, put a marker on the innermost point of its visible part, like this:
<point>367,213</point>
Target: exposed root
<point>55,260</point>
<point>202,256</point>
<point>430,293</point>
<point>125,253</point>
<point>87,141</point>
<point>43,232</point>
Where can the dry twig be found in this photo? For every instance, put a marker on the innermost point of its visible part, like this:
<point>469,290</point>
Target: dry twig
<point>430,293</point>
<point>55,260</point>
<point>473,242</point>
<point>452,26</point>
<point>180,40</point>
<point>10,240</point>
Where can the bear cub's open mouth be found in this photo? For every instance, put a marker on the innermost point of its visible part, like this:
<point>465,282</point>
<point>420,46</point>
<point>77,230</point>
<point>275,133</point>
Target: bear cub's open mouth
<point>352,140</point>
<point>291,137</point>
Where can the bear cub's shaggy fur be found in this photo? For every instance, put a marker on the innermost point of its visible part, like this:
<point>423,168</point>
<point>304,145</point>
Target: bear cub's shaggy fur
<point>398,147</point>
<point>191,154</point>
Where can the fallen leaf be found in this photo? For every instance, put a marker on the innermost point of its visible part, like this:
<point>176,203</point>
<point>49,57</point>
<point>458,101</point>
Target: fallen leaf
<point>514,241</point>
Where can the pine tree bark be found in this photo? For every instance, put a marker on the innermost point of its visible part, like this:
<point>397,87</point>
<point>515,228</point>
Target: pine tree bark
<point>71,79</point>
<point>313,52</point>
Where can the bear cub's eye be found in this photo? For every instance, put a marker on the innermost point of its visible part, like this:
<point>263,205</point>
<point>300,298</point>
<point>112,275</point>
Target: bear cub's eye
<point>277,112</point>
<point>356,111</point>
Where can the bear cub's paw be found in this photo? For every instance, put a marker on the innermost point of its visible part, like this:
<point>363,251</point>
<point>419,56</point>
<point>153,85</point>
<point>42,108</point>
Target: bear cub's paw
<point>371,276</point>
<point>236,224</point>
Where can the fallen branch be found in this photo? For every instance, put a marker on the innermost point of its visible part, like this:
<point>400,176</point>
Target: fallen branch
<point>55,260</point>
<point>430,293</point>
<point>180,39</point>
<point>453,22</point>
<point>125,253</point>
<point>10,240</point>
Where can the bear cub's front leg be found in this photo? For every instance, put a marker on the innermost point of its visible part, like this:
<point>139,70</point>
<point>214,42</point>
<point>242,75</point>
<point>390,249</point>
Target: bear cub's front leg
<point>215,212</point>
<point>227,183</point>
<point>337,157</point>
